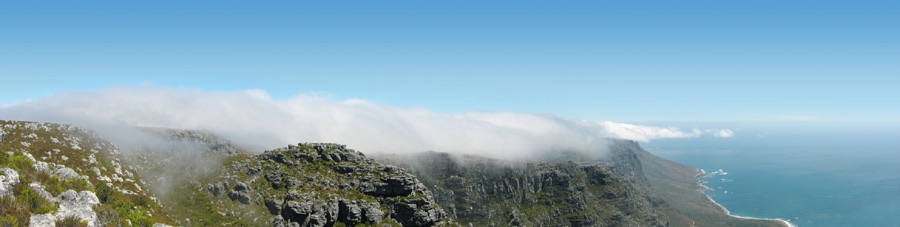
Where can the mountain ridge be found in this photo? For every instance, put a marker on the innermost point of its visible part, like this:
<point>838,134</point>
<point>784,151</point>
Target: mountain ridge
<point>199,179</point>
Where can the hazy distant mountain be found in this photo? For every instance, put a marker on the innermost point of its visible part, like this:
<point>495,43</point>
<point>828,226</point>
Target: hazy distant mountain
<point>53,174</point>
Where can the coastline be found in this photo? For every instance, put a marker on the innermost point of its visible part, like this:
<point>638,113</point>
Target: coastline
<point>704,188</point>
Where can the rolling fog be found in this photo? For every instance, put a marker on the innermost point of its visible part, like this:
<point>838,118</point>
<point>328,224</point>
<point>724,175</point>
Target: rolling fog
<point>255,121</point>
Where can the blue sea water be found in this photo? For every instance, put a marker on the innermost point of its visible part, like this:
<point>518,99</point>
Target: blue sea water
<point>810,178</point>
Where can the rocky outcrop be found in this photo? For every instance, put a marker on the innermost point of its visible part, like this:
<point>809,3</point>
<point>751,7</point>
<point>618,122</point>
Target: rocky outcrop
<point>67,170</point>
<point>328,183</point>
<point>71,204</point>
<point>320,184</point>
<point>8,179</point>
<point>241,193</point>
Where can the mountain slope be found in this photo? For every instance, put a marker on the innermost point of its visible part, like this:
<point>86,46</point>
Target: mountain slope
<point>313,184</point>
<point>54,174</point>
<point>563,192</point>
<point>687,205</point>
<point>625,187</point>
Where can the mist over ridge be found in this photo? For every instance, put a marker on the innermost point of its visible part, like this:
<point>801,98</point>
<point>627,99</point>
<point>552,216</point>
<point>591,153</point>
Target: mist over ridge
<point>254,120</point>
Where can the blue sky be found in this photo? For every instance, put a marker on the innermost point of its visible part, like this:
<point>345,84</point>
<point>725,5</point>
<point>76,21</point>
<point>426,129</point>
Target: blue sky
<point>627,61</point>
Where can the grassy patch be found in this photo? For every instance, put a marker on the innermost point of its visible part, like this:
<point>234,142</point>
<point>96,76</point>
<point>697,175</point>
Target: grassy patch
<point>71,221</point>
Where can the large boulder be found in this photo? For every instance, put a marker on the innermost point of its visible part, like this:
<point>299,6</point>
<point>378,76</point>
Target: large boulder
<point>241,193</point>
<point>8,179</point>
<point>78,204</point>
<point>71,204</point>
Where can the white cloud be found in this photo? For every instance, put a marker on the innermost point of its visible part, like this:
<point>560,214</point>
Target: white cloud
<point>722,133</point>
<point>253,119</point>
<point>645,133</point>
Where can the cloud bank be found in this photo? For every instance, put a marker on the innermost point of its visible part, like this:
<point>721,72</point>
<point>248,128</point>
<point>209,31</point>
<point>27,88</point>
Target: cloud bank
<point>253,119</point>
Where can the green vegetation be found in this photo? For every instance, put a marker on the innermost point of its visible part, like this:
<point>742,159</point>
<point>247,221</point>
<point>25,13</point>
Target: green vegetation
<point>17,211</point>
<point>71,221</point>
<point>72,148</point>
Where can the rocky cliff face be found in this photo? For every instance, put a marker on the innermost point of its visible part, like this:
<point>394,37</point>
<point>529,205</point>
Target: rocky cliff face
<point>54,174</point>
<point>571,190</point>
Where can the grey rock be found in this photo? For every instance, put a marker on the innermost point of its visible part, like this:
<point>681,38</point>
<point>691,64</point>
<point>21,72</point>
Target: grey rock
<point>291,182</point>
<point>344,169</point>
<point>417,212</point>
<point>279,157</point>
<point>315,221</point>
<point>295,211</point>
<point>335,157</point>
<point>42,220</point>
<point>393,186</point>
<point>65,172</point>
<point>351,156</point>
<point>215,189</point>
<point>253,171</point>
<point>274,179</point>
<point>8,179</point>
<point>76,202</point>
<point>160,225</point>
<point>242,187</point>
<point>353,212</point>
<point>71,204</point>
<point>37,187</point>
<point>372,213</point>
<point>274,206</point>
<point>278,221</point>
<point>240,196</point>
<point>514,218</point>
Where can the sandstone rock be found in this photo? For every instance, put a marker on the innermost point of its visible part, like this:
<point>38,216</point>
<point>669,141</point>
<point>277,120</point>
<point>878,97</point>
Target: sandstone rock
<point>215,189</point>
<point>343,169</point>
<point>8,179</point>
<point>514,218</point>
<point>37,187</point>
<point>274,206</point>
<point>278,221</point>
<point>241,193</point>
<point>78,204</point>
<point>294,211</point>
<point>417,212</point>
<point>373,213</point>
<point>65,172</point>
<point>42,220</point>
<point>71,204</point>
<point>327,183</point>
<point>353,212</point>
<point>242,197</point>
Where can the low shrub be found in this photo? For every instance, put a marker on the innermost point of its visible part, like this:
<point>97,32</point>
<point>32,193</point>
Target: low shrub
<point>71,221</point>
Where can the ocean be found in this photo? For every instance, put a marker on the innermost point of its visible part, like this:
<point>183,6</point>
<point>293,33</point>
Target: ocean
<point>807,177</point>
